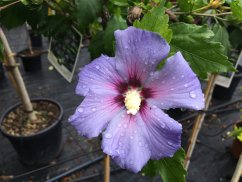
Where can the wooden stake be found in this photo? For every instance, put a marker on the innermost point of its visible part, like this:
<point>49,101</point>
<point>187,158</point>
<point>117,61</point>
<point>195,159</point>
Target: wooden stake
<point>106,168</point>
<point>238,170</point>
<point>199,120</point>
<point>17,77</point>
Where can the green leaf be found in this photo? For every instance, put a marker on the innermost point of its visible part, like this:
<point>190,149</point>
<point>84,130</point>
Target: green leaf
<point>116,23</point>
<point>86,12</point>
<point>96,46</point>
<point>221,35</point>
<point>236,8</point>
<point>170,169</point>
<point>233,37</point>
<point>120,2</point>
<point>103,42</point>
<point>14,16</point>
<point>203,54</point>
<point>189,5</point>
<point>156,21</point>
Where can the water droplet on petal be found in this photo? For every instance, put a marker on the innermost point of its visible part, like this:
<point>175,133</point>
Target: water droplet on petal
<point>182,76</point>
<point>172,89</point>
<point>80,110</point>
<point>169,143</point>
<point>162,125</point>
<point>186,85</point>
<point>135,131</point>
<point>97,67</point>
<point>108,135</point>
<point>131,137</point>
<point>125,125</point>
<point>140,144</point>
<point>193,94</point>
<point>197,107</point>
<point>93,109</point>
<point>119,125</point>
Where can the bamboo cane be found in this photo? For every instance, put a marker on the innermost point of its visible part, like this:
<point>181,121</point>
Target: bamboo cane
<point>238,170</point>
<point>106,168</point>
<point>199,120</point>
<point>16,76</point>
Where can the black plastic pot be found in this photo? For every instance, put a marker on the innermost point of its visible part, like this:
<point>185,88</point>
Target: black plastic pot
<point>39,148</point>
<point>1,71</point>
<point>227,93</point>
<point>36,39</point>
<point>31,63</point>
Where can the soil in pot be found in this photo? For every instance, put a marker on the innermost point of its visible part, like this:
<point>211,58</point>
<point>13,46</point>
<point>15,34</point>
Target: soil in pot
<point>31,61</point>
<point>16,122</point>
<point>36,142</point>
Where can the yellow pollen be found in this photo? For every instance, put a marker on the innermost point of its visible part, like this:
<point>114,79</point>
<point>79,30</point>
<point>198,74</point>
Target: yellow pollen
<point>132,101</point>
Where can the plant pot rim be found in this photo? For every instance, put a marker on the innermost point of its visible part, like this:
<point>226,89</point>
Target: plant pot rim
<point>22,55</point>
<point>11,108</point>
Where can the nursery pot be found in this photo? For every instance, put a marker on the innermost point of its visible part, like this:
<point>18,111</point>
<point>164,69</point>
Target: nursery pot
<point>39,148</point>
<point>227,93</point>
<point>236,148</point>
<point>36,39</point>
<point>1,71</point>
<point>31,62</point>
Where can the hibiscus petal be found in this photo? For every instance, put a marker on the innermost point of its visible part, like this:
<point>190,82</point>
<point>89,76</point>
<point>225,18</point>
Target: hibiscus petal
<point>100,76</point>
<point>138,52</point>
<point>174,86</point>
<point>124,141</point>
<point>94,113</point>
<point>164,133</point>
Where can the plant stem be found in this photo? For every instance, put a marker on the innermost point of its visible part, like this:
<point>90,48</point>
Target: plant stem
<point>18,80</point>
<point>199,120</point>
<point>237,171</point>
<point>212,15</point>
<point>8,5</point>
<point>106,168</point>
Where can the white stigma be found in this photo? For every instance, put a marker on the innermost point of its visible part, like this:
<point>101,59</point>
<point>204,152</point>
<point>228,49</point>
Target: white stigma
<point>132,101</point>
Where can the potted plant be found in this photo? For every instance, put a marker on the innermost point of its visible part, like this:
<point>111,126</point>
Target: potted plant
<point>31,57</point>
<point>32,126</point>
<point>236,147</point>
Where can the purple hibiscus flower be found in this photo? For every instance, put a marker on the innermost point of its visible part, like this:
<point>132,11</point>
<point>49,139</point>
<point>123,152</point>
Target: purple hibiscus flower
<point>124,96</point>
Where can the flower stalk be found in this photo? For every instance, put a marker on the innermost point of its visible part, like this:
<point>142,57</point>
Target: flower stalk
<point>106,168</point>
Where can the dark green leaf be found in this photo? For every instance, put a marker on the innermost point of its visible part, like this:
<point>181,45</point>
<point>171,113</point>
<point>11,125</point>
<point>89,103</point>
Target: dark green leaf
<point>96,46</point>
<point>203,54</point>
<point>156,21</point>
<point>117,22</point>
<point>189,5</point>
<point>103,42</point>
<point>236,8</point>
<point>14,16</point>
<point>235,41</point>
<point>221,35</point>
<point>87,11</point>
<point>170,169</point>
